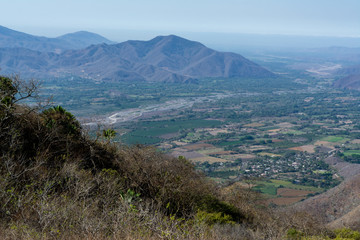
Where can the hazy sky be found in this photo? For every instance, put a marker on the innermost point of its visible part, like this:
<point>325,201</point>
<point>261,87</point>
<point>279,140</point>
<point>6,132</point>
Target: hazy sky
<point>111,17</point>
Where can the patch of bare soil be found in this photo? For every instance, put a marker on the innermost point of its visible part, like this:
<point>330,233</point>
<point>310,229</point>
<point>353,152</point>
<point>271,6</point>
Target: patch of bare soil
<point>222,153</point>
<point>285,125</point>
<point>326,144</point>
<point>207,159</point>
<point>198,146</point>
<point>187,154</point>
<point>254,125</point>
<point>288,192</point>
<point>305,148</point>
<point>285,200</point>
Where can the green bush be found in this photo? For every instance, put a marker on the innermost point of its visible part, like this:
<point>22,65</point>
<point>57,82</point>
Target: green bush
<point>293,234</point>
<point>7,91</point>
<point>62,120</point>
<point>213,218</point>
<point>346,233</point>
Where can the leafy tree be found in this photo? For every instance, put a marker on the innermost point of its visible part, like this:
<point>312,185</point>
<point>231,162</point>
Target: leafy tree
<point>7,91</point>
<point>65,122</point>
<point>13,90</point>
<point>109,134</point>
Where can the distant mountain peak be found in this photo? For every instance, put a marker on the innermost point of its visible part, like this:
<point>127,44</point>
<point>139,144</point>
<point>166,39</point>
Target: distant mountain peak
<point>174,39</point>
<point>7,30</point>
<point>78,40</point>
<point>170,37</point>
<point>83,38</point>
<point>80,33</point>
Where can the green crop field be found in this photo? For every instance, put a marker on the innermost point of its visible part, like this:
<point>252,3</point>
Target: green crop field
<point>265,188</point>
<point>333,139</point>
<point>270,187</point>
<point>295,132</point>
<point>288,184</point>
<point>352,152</point>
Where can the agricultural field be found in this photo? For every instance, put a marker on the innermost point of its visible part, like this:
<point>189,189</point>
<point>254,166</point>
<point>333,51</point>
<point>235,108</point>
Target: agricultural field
<point>351,152</point>
<point>283,192</point>
<point>334,139</point>
<point>232,131</point>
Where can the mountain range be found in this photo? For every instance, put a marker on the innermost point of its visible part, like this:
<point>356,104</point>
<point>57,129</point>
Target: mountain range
<point>164,58</point>
<point>14,39</point>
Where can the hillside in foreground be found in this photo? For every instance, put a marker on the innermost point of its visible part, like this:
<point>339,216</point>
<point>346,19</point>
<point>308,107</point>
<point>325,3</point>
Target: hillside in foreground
<point>338,206</point>
<point>58,183</point>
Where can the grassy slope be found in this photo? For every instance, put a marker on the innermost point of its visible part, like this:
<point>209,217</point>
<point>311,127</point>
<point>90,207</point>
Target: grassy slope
<point>57,183</point>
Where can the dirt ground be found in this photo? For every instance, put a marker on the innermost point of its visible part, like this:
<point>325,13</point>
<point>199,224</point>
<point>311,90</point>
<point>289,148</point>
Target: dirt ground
<point>287,192</point>
<point>285,125</point>
<point>179,143</point>
<point>198,146</point>
<point>285,201</point>
<point>237,156</point>
<point>326,144</point>
<point>274,130</point>
<point>222,153</point>
<point>208,159</point>
<point>287,196</point>
<point>254,125</point>
<point>305,148</point>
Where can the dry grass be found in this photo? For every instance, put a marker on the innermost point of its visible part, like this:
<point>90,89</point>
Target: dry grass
<point>57,183</point>
<point>281,201</point>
